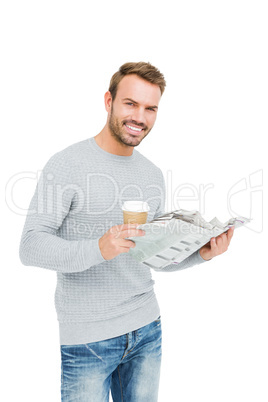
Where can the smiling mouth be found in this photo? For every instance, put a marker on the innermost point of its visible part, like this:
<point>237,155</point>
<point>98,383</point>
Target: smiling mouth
<point>133,130</point>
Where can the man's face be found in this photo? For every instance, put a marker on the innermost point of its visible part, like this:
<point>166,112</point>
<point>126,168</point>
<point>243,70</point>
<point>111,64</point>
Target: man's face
<point>133,112</point>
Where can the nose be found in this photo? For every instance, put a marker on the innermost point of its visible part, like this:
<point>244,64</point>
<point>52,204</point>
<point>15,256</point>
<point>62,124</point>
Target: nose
<point>138,116</point>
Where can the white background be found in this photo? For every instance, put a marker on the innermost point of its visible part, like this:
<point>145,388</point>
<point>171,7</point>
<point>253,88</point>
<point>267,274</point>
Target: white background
<point>57,61</point>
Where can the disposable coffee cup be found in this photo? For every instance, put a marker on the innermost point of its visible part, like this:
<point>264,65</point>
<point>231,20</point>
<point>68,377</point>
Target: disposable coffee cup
<point>135,211</point>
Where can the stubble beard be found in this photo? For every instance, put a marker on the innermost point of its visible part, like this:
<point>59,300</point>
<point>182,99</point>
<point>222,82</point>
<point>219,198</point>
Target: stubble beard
<point>116,127</point>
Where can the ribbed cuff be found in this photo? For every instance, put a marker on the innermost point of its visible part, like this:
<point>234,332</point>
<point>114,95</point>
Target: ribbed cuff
<point>92,253</point>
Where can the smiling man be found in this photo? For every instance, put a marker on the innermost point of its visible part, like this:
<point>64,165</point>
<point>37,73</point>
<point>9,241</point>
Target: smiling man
<point>132,108</point>
<point>109,318</point>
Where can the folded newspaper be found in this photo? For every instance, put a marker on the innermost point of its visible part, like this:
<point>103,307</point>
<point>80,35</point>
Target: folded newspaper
<point>174,236</point>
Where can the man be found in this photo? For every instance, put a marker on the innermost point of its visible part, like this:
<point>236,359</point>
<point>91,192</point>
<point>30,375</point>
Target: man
<point>109,318</point>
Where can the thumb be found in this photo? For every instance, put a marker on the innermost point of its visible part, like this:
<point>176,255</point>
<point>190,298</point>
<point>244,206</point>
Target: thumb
<point>213,244</point>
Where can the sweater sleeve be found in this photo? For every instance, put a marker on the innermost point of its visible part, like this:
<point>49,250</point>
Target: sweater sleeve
<point>193,259</point>
<point>40,244</point>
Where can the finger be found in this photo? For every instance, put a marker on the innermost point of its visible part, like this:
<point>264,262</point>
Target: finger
<point>230,234</point>
<point>131,233</point>
<point>120,228</point>
<point>126,226</point>
<point>222,243</point>
<point>125,247</point>
<point>219,240</point>
<point>127,243</point>
<point>217,245</point>
<point>213,245</point>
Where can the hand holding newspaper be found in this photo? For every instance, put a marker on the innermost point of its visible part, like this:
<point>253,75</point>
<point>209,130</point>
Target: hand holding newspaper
<point>174,236</point>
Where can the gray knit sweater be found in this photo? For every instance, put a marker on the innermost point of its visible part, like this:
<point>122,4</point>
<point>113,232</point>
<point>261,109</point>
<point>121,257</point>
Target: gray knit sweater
<point>77,199</point>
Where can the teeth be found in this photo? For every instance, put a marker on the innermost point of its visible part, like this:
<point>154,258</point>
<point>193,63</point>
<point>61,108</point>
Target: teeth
<point>134,128</point>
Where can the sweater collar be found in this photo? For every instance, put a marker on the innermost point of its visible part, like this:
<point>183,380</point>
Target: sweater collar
<point>108,155</point>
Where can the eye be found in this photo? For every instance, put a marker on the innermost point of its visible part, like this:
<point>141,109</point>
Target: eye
<point>129,103</point>
<point>151,109</point>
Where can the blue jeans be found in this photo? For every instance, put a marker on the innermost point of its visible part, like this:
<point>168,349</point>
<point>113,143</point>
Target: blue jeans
<point>128,365</point>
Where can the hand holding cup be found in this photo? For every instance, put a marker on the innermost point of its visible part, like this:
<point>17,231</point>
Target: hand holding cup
<point>114,241</point>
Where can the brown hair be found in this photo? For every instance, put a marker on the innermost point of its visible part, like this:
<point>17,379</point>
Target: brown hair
<point>143,70</point>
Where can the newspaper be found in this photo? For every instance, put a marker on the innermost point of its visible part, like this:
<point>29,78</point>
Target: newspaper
<point>174,236</point>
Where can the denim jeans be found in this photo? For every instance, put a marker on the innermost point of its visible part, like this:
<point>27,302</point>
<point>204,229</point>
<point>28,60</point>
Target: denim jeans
<point>128,365</point>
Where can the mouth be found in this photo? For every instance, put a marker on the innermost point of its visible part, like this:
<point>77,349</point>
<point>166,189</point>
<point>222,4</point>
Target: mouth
<point>133,129</point>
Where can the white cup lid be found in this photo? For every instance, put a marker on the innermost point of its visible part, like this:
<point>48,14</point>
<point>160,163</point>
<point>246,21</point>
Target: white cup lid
<point>136,206</point>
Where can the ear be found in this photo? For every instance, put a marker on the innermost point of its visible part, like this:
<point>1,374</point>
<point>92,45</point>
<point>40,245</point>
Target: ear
<point>108,101</point>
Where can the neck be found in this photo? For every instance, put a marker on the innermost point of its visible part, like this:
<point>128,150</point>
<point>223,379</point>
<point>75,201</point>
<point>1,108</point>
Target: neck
<point>109,143</point>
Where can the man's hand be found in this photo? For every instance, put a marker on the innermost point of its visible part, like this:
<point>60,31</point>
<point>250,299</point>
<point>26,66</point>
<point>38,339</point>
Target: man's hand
<point>114,242</point>
<point>217,245</point>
